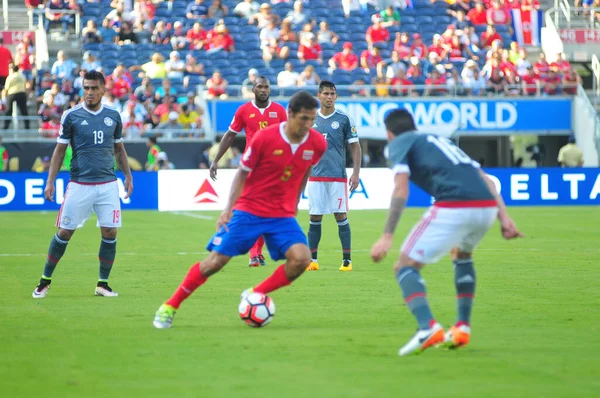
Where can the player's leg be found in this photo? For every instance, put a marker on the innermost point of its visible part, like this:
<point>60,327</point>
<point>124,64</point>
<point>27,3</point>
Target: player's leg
<point>76,206</point>
<point>285,239</point>
<point>428,241</point>
<point>465,278</point>
<point>318,204</point>
<point>243,230</point>
<point>338,196</point>
<point>256,256</point>
<point>314,237</point>
<point>108,209</point>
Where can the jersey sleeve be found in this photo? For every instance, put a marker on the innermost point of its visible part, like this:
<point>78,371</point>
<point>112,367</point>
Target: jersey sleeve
<point>399,152</point>
<point>237,123</point>
<point>252,154</point>
<point>118,137</point>
<point>65,133</point>
<point>351,133</point>
<point>282,114</point>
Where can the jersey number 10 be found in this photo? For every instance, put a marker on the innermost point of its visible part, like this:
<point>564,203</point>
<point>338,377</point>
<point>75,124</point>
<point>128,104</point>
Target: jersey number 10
<point>451,151</point>
<point>98,137</point>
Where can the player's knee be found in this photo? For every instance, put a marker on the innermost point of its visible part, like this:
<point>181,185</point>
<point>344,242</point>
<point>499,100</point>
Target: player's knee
<point>299,257</point>
<point>316,218</point>
<point>406,261</point>
<point>340,216</point>
<point>213,264</point>
<point>65,234</point>
<point>109,233</point>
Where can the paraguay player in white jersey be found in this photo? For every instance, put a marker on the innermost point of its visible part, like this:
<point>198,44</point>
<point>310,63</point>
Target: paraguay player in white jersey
<point>95,134</point>
<point>328,185</point>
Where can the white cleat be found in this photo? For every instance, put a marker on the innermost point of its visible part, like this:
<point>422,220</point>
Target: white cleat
<point>105,291</point>
<point>163,319</point>
<point>40,293</point>
<point>423,339</point>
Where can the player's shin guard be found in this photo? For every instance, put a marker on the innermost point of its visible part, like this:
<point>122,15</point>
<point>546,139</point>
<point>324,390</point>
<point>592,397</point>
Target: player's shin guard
<point>276,281</point>
<point>256,249</point>
<point>314,237</point>
<point>345,237</point>
<point>55,252</point>
<point>464,280</point>
<point>415,296</point>
<point>193,280</point>
<point>106,256</point>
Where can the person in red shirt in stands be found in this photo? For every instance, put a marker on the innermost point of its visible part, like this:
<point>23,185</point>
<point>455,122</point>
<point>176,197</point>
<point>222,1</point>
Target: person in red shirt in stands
<point>418,49</point>
<point>498,15</point>
<point>370,58</point>
<point>541,66</point>
<point>5,60</point>
<point>435,79</point>
<point>508,68</point>
<point>401,86</point>
<point>344,60</point>
<point>561,65</point>
<point>489,36</point>
<point>377,33</point>
<point>217,86</point>
<point>551,83</point>
<point>402,47</point>
<point>220,39</point>
<point>310,50</point>
<point>477,15</point>
<point>197,37</point>
<point>570,82</point>
<point>531,83</point>
<point>439,47</point>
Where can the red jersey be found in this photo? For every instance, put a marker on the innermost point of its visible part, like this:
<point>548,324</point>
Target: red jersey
<point>309,53</point>
<point>530,82</point>
<point>378,35</point>
<point>251,118</point>
<point>476,17</point>
<point>345,61</point>
<point>276,171</point>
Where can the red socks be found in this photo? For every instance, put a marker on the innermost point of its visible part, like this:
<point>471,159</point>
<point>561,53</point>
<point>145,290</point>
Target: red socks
<point>193,280</point>
<point>256,249</point>
<point>277,280</point>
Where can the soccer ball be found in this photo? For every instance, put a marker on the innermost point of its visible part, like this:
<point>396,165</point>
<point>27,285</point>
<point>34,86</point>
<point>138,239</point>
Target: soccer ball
<point>257,310</point>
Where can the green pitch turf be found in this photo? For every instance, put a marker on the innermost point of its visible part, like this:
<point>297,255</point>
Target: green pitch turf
<point>536,331</point>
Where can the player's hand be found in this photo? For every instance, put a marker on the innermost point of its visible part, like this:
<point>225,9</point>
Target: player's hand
<point>213,171</point>
<point>509,229</point>
<point>380,248</point>
<point>49,192</point>
<point>128,187</point>
<point>224,219</point>
<point>354,181</point>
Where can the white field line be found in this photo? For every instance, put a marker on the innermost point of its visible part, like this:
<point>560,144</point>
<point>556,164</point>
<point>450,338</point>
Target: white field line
<point>193,215</point>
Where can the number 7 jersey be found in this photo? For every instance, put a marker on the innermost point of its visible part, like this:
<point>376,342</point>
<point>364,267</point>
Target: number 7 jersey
<point>92,136</point>
<point>440,168</point>
<point>277,169</point>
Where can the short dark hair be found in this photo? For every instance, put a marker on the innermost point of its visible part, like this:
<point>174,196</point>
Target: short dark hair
<point>302,100</point>
<point>15,67</point>
<point>94,75</point>
<point>261,77</point>
<point>326,84</point>
<point>152,139</point>
<point>399,121</point>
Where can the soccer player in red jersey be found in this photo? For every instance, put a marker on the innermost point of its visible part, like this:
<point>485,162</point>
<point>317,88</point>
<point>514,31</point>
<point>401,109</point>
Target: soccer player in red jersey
<point>252,117</point>
<point>263,202</point>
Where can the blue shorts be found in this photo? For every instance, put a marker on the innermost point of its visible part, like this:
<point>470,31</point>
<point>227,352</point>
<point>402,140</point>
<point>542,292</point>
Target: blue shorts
<point>244,229</point>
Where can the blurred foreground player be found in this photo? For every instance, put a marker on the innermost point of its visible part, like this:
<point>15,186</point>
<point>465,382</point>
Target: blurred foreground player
<point>263,202</point>
<point>466,206</point>
<point>251,117</point>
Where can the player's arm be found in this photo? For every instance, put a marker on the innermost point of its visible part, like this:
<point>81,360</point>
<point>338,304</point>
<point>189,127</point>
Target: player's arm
<point>224,146</point>
<point>123,163</point>
<point>356,151</point>
<point>58,156</point>
<point>508,226</point>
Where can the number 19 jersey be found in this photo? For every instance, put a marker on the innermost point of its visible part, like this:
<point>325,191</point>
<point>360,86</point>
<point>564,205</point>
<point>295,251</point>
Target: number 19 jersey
<point>92,136</point>
<point>251,118</point>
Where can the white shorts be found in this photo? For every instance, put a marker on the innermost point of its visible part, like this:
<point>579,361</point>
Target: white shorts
<point>442,229</point>
<point>327,197</point>
<point>82,199</point>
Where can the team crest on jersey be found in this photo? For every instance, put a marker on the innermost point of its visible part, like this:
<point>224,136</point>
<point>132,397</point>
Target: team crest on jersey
<point>252,115</point>
<point>335,125</point>
<point>307,155</point>
<point>278,152</point>
<point>272,114</point>
<point>217,240</point>
<point>353,130</point>
<point>66,220</point>
<point>108,121</point>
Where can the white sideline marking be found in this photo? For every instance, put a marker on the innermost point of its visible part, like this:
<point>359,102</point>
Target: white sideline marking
<point>192,215</point>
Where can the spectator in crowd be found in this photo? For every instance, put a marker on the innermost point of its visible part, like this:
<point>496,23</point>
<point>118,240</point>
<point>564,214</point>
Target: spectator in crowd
<point>153,151</point>
<point>489,36</point>
<point>145,91</point>
<point>570,81</point>
<point>370,58</point>
<point>220,39</point>
<point>310,50</point>
<point>55,14</point>
<point>246,8</point>
<point>455,83</point>
<point>189,119</point>
<point>288,77</point>
<point>541,66</point>
<point>3,156</point>
<point>51,127</point>
<point>472,78</point>
<point>196,37</point>
<point>269,43</point>
<point>90,62</point>
<point>460,22</point>
<point>165,89</point>
<point>570,155</point>
<point>497,15</point>
<point>237,157</point>
<point>126,35</point>
<point>435,84</point>
<point>6,59</point>
<point>389,17</point>
<point>192,69</point>
<point>344,60</point>
<point>161,34</point>
<point>175,66</point>
<point>90,33</point>
<point>196,10</point>
<point>163,162</point>
<point>63,67</point>
<point>203,159</point>
<point>171,128</point>
<point>179,39</point>
<point>248,83</point>
<point>389,68</point>
<point>497,83</point>
<point>70,92</point>
<point>225,161</point>
<point>60,99</point>
<point>401,85</point>
<point>402,46</point>
<point>561,65</point>
<point>523,63</point>
<point>161,112</point>
<point>418,48</point>
<point>155,69</point>
<point>298,16</point>
<point>326,35</point>
<point>263,16</point>
<point>107,32</point>
<point>308,77</point>
<point>14,92</point>
<point>530,82</point>
<point>551,83</point>
<point>477,15</point>
<point>350,6</point>
<point>377,33</point>
<point>217,9</point>
<point>216,86</point>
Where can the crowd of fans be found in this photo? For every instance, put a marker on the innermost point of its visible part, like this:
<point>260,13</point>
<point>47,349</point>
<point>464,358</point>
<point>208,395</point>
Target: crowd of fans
<point>391,59</point>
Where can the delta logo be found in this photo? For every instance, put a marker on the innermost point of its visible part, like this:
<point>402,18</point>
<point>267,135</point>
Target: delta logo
<point>206,193</point>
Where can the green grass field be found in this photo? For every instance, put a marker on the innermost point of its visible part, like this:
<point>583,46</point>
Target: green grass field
<point>535,326</point>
